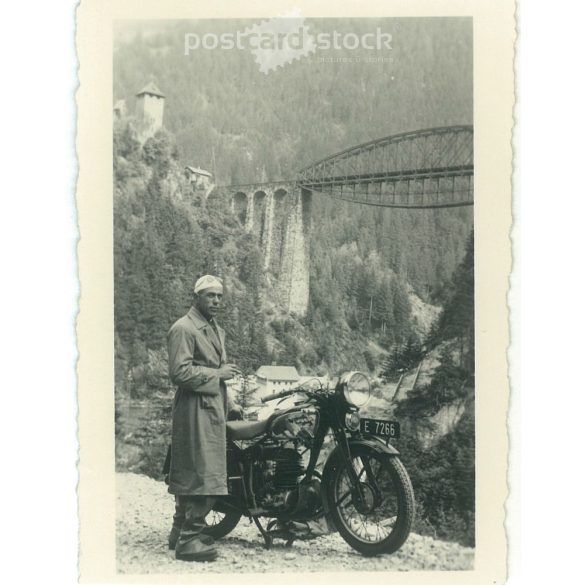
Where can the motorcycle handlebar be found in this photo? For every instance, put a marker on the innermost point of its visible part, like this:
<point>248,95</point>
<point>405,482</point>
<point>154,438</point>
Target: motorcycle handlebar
<point>278,395</point>
<point>285,393</point>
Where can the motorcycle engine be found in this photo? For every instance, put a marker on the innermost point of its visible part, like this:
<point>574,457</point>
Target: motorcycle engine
<point>276,477</point>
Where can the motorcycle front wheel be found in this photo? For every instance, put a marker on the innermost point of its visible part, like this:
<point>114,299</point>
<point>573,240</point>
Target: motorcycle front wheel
<point>379,518</point>
<point>221,520</point>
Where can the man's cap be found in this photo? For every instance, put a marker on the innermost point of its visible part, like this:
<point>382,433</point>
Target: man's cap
<point>207,281</point>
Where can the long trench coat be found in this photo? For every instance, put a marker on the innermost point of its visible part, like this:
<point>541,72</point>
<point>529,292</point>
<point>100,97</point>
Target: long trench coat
<point>200,408</point>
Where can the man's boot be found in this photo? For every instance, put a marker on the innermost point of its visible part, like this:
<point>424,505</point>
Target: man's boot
<point>190,545</point>
<point>178,519</point>
<point>174,537</point>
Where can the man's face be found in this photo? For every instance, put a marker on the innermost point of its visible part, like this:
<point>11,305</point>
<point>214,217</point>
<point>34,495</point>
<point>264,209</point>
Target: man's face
<point>208,301</point>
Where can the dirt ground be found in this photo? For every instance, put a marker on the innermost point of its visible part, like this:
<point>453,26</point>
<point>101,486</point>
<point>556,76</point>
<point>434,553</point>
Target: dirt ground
<point>144,513</point>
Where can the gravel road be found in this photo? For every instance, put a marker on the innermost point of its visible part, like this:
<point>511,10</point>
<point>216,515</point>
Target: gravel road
<point>144,513</point>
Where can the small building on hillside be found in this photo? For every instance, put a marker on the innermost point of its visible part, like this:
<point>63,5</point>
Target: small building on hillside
<point>120,109</point>
<point>199,178</point>
<point>272,379</point>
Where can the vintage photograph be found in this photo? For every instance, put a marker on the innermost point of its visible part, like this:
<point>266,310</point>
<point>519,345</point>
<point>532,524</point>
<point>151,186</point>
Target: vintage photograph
<point>293,294</point>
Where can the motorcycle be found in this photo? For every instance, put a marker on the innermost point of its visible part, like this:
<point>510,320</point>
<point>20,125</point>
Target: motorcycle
<point>363,489</point>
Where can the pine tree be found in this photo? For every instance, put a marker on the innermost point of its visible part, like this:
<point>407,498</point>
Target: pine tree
<point>457,319</point>
<point>245,393</point>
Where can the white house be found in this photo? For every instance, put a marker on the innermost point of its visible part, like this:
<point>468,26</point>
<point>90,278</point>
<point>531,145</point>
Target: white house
<point>199,178</point>
<point>272,379</point>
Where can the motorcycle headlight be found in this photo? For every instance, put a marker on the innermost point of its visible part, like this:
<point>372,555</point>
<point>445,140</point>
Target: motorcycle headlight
<point>356,389</point>
<point>352,421</point>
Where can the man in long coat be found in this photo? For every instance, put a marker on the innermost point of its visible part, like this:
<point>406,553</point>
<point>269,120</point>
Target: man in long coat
<point>198,366</point>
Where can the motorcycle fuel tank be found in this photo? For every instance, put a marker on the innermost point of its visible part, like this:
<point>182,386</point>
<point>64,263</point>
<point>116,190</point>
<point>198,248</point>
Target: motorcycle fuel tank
<point>294,423</point>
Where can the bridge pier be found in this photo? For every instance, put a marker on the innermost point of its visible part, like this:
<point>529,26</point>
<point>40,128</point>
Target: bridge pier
<point>295,255</point>
<point>268,227</point>
<point>249,212</point>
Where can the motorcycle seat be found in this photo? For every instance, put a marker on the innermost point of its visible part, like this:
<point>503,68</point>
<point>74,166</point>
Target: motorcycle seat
<point>242,429</point>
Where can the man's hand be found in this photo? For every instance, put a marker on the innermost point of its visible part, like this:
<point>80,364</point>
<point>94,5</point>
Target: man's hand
<point>228,371</point>
<point>236,412</point>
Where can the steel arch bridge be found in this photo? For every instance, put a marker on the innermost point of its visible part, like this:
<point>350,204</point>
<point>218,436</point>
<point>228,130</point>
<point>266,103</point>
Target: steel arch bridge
<point>430,168</point>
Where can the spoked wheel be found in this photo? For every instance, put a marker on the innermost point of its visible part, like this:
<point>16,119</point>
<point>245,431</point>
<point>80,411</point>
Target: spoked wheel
<point>221,520</point>
<point>378,519</point>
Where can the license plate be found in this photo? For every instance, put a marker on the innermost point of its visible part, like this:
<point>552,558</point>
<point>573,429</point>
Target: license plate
<point>380,428</point>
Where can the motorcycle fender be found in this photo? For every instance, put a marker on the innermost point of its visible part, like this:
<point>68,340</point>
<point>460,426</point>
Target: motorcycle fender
<point>336,457</point>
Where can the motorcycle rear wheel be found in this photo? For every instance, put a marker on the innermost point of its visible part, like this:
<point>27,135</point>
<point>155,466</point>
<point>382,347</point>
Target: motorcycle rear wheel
<point>380,522</point>
<point>221,521</point>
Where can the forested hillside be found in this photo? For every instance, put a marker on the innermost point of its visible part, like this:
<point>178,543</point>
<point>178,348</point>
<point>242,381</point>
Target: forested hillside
<point>367,270</point>
<point>229,117</point>
<point>439,416</point>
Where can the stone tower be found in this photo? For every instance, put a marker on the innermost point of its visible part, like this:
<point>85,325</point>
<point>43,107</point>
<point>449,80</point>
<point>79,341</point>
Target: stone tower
<point>150,109</point>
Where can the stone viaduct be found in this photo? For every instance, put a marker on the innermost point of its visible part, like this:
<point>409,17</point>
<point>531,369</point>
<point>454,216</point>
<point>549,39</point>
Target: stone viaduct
<point>279,215</point>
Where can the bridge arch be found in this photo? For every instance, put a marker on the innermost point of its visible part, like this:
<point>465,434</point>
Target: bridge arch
<point>280,198</point>
<point>280,205</point>
<point>218,199</point>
